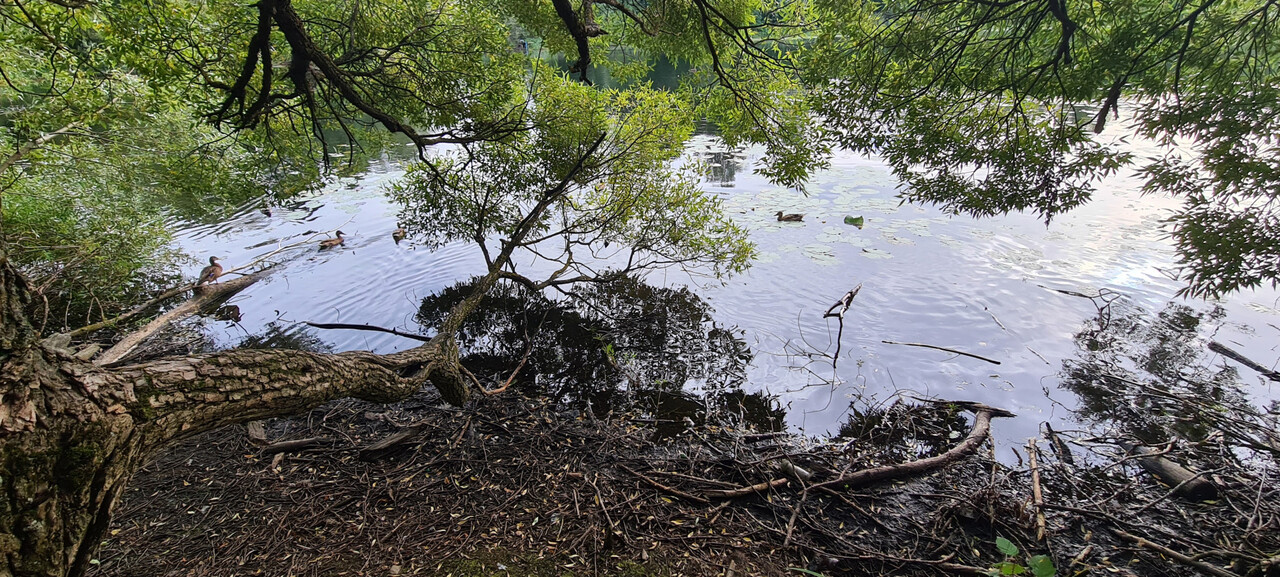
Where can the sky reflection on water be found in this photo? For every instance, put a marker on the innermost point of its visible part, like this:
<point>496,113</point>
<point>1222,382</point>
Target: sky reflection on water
<point>991,287</point>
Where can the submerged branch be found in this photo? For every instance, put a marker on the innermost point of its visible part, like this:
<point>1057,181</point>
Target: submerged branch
<point>981,428</point>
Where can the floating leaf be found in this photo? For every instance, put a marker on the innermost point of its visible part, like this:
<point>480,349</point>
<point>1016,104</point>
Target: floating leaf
<point>857,221</point>
<point>875,253</point>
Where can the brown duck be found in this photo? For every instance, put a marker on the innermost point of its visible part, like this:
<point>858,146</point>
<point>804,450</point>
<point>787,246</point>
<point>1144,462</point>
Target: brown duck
<point>789,217</point>
<point>210,273</point>
<point>398,234</point>
<point>332,242</point>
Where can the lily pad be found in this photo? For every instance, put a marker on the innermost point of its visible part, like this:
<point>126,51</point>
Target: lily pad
<point>820,254</point>
<point>857,221</point>
<point>875,253</point>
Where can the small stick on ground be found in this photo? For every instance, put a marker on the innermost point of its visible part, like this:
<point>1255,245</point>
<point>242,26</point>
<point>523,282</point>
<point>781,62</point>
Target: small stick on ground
<point>1081,556</point>
<point>676,492</point>
<point>1176,556</point>
<point>294,446</point>
<point>981,428</point>
<point>1036,495</point>
<point>744,491</point>
<point>795,513</point>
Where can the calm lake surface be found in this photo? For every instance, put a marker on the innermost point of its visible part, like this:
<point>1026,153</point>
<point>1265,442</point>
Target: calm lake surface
<point>997,288</point>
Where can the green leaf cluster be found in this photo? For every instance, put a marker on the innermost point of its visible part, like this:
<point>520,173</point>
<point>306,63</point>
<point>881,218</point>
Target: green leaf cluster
<point>1038,565</point>
<point>625,191</point>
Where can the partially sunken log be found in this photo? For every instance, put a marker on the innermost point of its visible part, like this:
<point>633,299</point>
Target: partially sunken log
<point>1185,482</point>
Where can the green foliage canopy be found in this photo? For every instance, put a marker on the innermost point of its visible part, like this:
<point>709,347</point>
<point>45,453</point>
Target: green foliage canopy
<point>604,160</point>
<point>128,110</point>
<point>988,107</point>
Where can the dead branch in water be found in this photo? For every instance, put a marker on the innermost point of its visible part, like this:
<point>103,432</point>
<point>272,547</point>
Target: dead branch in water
<point>981,428</point>
<point>843,304</point>
<point>935,347</point>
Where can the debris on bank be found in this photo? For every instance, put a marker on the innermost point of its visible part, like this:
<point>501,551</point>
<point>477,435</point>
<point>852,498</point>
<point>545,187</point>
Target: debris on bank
<point>519,486</point>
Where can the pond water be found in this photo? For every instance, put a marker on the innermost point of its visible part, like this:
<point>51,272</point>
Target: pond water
<point>1008,289</point>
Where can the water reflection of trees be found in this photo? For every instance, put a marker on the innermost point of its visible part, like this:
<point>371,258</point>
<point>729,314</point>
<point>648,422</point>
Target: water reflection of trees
<point>1151,378</point>
<point>619,346</point>
<point>721,166</point>
<point>900,432</point>
<point>285,336</point>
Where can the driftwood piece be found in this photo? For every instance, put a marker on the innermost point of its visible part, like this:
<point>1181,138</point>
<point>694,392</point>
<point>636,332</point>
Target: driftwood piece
<point>294,446</point>
<point>981,428</point>
<point>1222,349</point>
<point>795,471</point>
<point>204,295</point>
<point>1185,482</point>
<point>404,435</point>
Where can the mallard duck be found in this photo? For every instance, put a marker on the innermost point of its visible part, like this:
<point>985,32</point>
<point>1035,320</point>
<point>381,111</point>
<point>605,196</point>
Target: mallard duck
<point>789,217</point>
<point>332,242</point>
<point>398,234</point>
<point>210,273</point>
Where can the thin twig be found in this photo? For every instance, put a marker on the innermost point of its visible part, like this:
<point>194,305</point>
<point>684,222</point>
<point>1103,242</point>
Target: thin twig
<point>676,492</point>
<point>1036,494</point>
<point>979,357</point>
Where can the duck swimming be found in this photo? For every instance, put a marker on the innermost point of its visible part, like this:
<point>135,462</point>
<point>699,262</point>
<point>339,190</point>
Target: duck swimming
<point>398,234</point>
<point>789,217</point>
<point>332,242</point>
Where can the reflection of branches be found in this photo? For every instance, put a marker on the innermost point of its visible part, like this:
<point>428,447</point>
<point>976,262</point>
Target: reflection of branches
<point>1148,376</point>
<point>629,342</point>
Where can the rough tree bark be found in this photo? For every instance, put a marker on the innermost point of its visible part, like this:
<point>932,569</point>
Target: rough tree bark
<point>73,433</point>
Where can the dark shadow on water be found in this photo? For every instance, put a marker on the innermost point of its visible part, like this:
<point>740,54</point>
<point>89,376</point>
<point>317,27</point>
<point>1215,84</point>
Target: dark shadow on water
<point>623,346</point>
<point>1151,377</point>
<point>901,431</point>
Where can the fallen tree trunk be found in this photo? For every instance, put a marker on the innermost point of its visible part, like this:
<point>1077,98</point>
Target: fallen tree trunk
<point>204,295</point>
<point>72,432</point>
